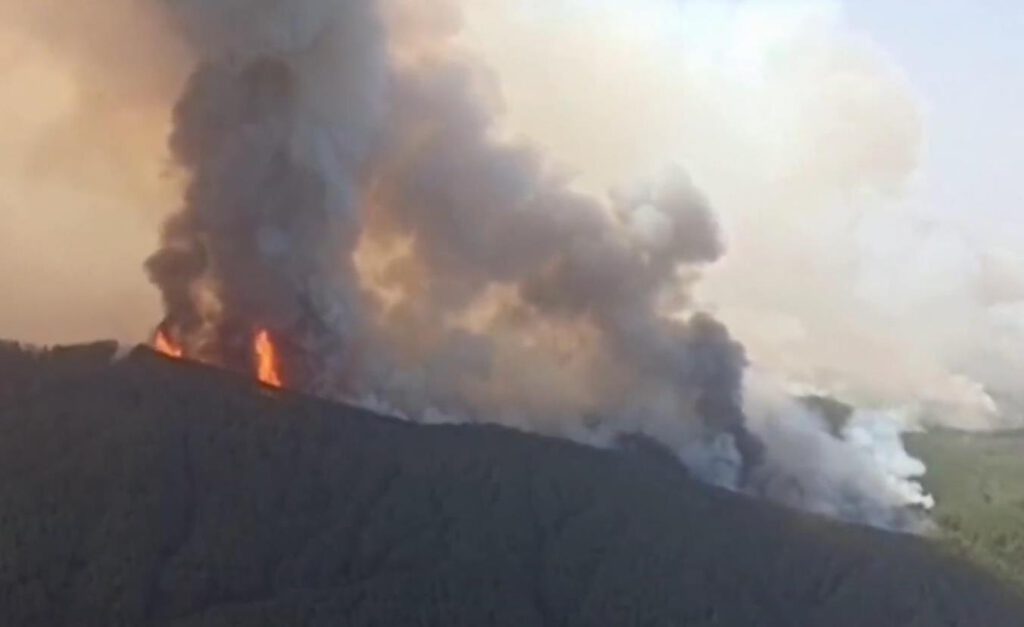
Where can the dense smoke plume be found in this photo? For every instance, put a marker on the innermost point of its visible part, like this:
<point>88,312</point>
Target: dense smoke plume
<point>312,147</point>
<point>273,131</point>
<point>348,183</point>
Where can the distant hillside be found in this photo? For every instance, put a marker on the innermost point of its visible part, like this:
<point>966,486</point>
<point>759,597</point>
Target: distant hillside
<point>163,493</point>
<point>979,482</point>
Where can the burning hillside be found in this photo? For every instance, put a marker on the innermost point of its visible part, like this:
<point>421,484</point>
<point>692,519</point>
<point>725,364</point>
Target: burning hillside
<point>353,227</point>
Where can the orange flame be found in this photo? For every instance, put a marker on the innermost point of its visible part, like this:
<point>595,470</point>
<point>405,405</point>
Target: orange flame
<point>266,359</point>
<point>165,346</point>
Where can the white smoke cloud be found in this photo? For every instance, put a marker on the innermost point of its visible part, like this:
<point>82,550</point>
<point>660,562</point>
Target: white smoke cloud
<point>856,471</point>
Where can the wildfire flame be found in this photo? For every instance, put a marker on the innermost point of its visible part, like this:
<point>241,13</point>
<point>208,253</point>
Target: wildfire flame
<point>267,365</point>
<point>266,360</point>
<point>165,346</point>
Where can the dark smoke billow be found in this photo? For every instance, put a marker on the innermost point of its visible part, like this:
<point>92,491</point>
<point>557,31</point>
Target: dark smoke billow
<point>347,192</point>
<point>264,237</point>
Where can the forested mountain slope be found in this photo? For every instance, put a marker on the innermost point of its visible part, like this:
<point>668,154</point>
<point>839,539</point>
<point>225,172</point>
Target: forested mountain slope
<point>152,492</point>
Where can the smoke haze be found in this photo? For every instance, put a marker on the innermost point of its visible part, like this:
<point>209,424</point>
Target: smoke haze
<point>84,175</point>
<point>807,139</point>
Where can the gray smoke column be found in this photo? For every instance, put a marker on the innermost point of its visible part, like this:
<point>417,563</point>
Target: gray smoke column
<point>272,131</point>
<point>348,191</point>
<point>316,147</point>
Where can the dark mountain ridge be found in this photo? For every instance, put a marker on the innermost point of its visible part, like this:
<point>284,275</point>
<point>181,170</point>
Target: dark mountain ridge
<point>152,492</point>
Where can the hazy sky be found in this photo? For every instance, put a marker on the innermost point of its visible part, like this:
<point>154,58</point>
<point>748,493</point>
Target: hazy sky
<point>965,60</point>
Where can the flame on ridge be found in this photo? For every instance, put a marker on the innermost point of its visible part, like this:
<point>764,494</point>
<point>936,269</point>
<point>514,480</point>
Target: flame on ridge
<point>268,370</point>
<point>165,346</point>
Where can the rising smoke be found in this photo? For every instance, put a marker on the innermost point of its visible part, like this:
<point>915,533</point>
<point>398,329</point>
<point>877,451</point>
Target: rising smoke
<point>349,182</point>
<point>274,131</point>
<point>295,128</point>
<point>347,190</point>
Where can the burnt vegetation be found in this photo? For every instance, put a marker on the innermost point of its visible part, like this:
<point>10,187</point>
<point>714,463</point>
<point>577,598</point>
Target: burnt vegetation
<point>151,492</point>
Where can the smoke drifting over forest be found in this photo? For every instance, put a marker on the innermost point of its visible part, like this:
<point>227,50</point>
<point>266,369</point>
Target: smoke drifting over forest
<point>485,211</point>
